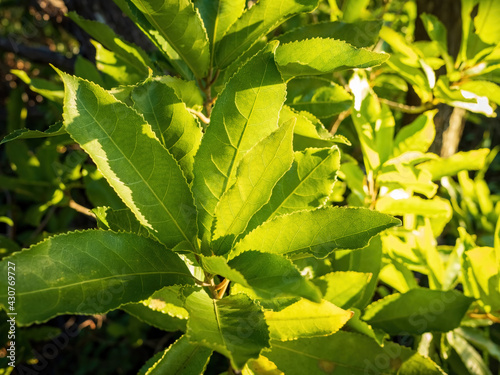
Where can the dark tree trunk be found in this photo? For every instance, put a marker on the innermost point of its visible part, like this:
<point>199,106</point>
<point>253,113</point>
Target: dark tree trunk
<point>449,121</point>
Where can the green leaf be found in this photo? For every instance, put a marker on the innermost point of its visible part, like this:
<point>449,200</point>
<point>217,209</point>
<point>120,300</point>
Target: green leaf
<point>181,358</point>
<point>335,354</point>
<point>48,89</point>
<point>479,340</point>
<point>306,319</point>
<point>483,88</point>
<point>87,70</point>
<point>456,97</point>
<point>367,260</point>
<point>496,242</point>
<point>180,24</point>
<point>135,58</point>
<point>169,118</point>
<point>309,131</point>
<point>359,34</point>
<point>323,55</point>
<point>355,324</point>
<point>140,20</point>
<point>481,267</point>
<point>468,355</point>
<point>486,21</point>
<point>374,125</point>
<point>464,160</point>
<point>436,207</point>
<point>245,112</point>
<point>417,136</point>
<point>115,69</point>
<point>403,66</point>
<point>343,289</point>
<point>217,17</point>
<point>268,275</point>
<point>168,301</point>
<point>257,174</point>
<point>119,220</point>
<point>259,20</point>
<point>398,276</point>
<point>154,318</point>
<point>24,133</point>
<point>413,180</point>
<point>417,311</point>
<point>354,9</point>
<point>137,166</point>
<point>89,272</point>
<point>233,326</point>
<point>318,96</point>
<point>187,91</point>
<point>306,185</point>
<point>98,190</point>
<point>274,304</point>
<point>299,233</point>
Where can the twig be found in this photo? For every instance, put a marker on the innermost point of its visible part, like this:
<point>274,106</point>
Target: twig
<point>221,288</point>
<point>341,117</point>
<point>489,316</point>
<point>81,209</point>
<point>408,108</point>
<point>200,115</point>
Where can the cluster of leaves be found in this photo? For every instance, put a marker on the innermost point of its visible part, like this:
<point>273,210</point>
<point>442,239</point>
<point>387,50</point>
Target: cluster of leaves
<point>214,190</point>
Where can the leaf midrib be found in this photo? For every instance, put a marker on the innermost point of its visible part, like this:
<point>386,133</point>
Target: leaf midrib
<point>138,173</point>
<point>88,281</point>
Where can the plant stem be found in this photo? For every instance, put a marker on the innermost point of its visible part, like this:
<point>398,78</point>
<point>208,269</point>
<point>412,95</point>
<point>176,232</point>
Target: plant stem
<point>408,108</point>
<point>200,115</point>
<point>81,209</point>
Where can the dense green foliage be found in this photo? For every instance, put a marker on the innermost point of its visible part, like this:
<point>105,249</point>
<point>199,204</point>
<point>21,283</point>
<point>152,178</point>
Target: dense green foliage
<point>232,209</point>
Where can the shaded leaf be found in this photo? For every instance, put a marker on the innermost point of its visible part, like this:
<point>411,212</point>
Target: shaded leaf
<point>233,326</point>
<point>217,17</point>
<point>169,118</point>
<point>359,34</point>
<point>133,56</point>
<point>255,22</point>
<point>309,131</point>
<point>25,133</point>
<point>320,97</point>
<point>119,220</point>
<point>181,358</point>
<point>335,354</point>
<point>343,289</point>
<point>417,311</point>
